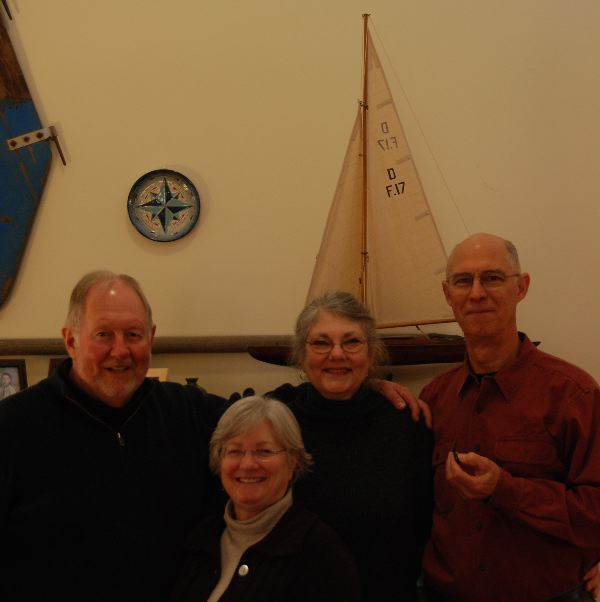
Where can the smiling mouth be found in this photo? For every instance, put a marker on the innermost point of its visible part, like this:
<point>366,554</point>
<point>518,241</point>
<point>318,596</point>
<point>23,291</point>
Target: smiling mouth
<point>338,370</point>
<point>249,480</point>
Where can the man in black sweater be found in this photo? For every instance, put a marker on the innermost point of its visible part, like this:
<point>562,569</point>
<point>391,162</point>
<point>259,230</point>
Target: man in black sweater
<point>102,471</point>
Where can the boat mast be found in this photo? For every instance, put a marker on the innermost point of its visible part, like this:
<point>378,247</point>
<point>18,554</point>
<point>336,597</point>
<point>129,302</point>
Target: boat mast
<point>364,106</point>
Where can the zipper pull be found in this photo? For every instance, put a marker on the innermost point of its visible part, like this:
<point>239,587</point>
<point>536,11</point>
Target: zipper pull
<point>120,439</point>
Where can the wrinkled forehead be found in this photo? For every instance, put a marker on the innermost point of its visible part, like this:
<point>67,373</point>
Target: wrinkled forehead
<point>113,303</point>
<point>329,323</point>
<point>108,294</point>
<point>258,431</point>
<point>475,257</point>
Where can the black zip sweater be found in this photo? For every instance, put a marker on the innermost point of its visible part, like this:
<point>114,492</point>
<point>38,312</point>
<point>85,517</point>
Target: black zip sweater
<point>95,502</point>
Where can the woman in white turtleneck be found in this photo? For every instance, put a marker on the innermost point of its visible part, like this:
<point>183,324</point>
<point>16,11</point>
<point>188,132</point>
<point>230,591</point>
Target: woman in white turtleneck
<point>265,547</point>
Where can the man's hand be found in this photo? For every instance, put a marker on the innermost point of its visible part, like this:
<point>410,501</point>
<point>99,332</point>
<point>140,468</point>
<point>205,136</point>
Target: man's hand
<point>592,581</point>
<point>475,478</point>
<point>400,397</point>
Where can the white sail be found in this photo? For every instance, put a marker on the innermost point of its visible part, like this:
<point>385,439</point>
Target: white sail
<point>406,259</point>
<point>338,261</point>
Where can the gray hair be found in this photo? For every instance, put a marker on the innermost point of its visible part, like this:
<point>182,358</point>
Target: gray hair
<point>106,278</point>
<point>339,303</point>
<point>247,413</point>
<point>512,255</point>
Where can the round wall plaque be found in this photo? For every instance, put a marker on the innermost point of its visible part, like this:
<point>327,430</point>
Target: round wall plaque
<point>163,205</point>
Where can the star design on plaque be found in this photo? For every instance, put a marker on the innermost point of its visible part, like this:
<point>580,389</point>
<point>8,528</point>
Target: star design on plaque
<point>163,205</point>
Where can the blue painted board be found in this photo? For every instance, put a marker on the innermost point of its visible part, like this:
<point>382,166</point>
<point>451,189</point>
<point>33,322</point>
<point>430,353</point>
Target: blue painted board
<point>23,172</point>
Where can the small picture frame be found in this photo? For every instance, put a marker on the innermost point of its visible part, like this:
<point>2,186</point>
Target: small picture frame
<point>158,373</point>
<point>54,363</point>
<point>13,377</point>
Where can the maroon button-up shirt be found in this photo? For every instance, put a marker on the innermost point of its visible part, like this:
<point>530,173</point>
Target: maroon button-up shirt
<point>539,532</point>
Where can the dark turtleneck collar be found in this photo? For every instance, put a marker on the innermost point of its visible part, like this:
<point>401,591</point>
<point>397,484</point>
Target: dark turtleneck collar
<point>115,417</point>
<point>311,402</point>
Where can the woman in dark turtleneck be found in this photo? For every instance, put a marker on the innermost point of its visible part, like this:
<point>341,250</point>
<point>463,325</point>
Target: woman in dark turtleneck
<point>371,479</point>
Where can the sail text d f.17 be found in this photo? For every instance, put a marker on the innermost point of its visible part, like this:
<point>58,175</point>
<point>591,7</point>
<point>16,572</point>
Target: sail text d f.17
<point>380,241</point>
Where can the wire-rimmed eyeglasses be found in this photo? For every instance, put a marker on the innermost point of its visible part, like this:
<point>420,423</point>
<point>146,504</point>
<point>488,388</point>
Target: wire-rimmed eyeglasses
<point>323,345</point>
<point>489,280</point>
<point>262,454</point>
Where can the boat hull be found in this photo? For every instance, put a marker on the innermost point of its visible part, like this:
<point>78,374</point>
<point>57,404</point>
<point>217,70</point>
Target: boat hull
<point>403,351</point>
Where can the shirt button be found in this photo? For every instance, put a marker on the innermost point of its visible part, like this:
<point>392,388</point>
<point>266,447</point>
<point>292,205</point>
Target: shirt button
<point>243,570</point>
<point>478,525</point>
<point>476,447</point>
<point>482,567</point>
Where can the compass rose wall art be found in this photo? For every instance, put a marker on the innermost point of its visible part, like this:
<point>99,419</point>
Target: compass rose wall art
<point>163,205</point>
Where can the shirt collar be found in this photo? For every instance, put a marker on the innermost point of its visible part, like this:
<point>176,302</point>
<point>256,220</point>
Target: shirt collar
<point>507,378</point>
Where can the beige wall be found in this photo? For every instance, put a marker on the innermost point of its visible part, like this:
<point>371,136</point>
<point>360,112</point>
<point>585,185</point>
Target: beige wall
<point>254,101</point>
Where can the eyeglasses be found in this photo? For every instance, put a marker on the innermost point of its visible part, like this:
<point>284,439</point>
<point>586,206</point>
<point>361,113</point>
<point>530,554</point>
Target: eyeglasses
<point>489,280</point>
<point>323,346</point>
<point>262,454</point>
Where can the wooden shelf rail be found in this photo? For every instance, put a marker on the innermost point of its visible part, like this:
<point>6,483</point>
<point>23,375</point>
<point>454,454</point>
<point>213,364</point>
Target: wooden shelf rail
<point>208,344</point>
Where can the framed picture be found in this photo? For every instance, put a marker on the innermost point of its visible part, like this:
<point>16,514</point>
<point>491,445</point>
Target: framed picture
<point>13,377</point>
<point>158,373</point>
<point>54,363</point>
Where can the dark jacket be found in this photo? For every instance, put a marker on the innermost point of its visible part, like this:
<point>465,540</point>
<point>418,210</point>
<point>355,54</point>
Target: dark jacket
<point>96,502</point>
<point>301,560</point>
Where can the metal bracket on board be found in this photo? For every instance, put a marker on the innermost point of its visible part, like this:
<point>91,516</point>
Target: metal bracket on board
<point>36,136</point>
<point>5,5</point>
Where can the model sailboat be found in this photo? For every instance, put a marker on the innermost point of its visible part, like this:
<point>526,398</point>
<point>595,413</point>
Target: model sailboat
<point>380,241</point>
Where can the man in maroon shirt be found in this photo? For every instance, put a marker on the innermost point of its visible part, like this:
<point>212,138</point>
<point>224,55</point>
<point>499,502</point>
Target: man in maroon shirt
<point>517,450</point>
